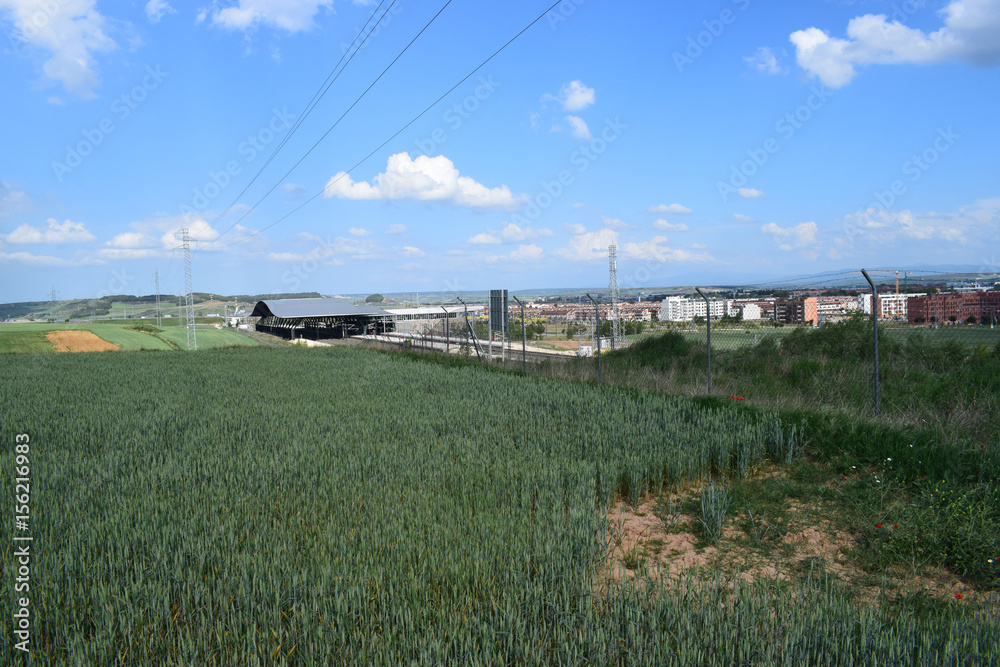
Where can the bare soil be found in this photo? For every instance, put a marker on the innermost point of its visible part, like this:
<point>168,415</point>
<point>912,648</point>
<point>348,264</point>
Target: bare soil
<point>642,545</point>
<point>78,341</point>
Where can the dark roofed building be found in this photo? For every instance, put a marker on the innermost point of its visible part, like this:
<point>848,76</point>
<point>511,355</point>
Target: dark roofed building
<point>316,319</point>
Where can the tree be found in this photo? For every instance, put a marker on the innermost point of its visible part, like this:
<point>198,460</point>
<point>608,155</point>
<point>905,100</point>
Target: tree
<point>374,298</point>
<point>952,319</point>
<point>699,320</point>
<point>971,319</point>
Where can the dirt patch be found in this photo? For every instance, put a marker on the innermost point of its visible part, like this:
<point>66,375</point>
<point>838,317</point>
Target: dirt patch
<point>648,542</point>
<point>78,341</point>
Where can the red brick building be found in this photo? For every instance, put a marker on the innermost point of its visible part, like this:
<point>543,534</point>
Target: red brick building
<point>961,306</point>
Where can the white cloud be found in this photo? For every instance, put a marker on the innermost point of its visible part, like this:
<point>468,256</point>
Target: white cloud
<point>411,251</point>
<point>671,208</point>
<point>654,249</point>
<point>790,238</point>
<point>42,260</point>
<point>484,239</point>
<point>575,229</point>
<point>764,61</point>
<point>615,223</point>
<point>289,15</point>
<point>71,31</point>
<point>132,240</point>
<point>513,233</point>
<point>526,253</point>
<point>750,193</point>
<point>667,226</point>
<point>128,253</point>
<point>293,191</point>
<point>395,230</point>
<point>979,221</point>
<point>575,96</point>
<point>589,245</point>
<point>423,179</point>
<point>11,200</point>
<point>969,34</point>
<point>580,129</point>
<point>54,233</point>
<point>156,9</point>
<point>739,217</point>
<point>358,231</point>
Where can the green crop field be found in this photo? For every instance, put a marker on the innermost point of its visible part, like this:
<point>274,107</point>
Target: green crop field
<point>351,507</point>
<point>209,338</point>
<point>30,337</point>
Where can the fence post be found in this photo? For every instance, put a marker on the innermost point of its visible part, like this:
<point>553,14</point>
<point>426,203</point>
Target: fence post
<point>875,332</point>
<point>708,320</point>
<point>597,314</point>
<point>524,339</point>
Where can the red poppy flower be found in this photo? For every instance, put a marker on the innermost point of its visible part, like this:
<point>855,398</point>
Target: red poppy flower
<point>958,596</point>
<point>878,525</point>
<point>895,525</point>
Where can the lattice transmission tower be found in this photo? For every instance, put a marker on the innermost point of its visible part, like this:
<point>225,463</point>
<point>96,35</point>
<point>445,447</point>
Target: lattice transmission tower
<point>615,315</point>
<point>188,291</point>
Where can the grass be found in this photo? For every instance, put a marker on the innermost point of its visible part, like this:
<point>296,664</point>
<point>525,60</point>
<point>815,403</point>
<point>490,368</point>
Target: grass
<point>23,341</point>
<point>130,335</point>
<point>209,338</point>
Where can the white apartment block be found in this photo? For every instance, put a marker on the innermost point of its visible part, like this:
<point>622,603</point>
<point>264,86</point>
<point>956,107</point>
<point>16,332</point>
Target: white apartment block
<point>683,309</point>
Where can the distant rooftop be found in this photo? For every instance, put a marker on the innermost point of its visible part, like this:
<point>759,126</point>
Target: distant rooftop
<point>296,308</point>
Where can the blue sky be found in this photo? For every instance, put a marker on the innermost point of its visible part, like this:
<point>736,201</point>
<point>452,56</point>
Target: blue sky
<point>715,142</point>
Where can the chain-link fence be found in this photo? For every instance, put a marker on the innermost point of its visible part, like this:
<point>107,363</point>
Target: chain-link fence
<point>915,346</point>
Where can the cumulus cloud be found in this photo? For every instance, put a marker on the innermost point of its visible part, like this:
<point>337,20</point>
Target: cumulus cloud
<point>289,15</point>
<point>575,96</point>
<point>589,245</point>
<point>514,233</point>
<point>423,179</point>
<point>132,240</point>
<point>395,230</point>
<point>671,208</point>
<point>71,32</point>
<point>358,231</point>
<point>580,129</point>
<point>750,193</point>
<point>615,223</point>
<point>156,9</point>
<point>526,253</point>
<point>739,217</point>
<point>655,249</point>
<point>54,233</point>
<point>11,200</point>
<point>485,239</point>
<point>667,226</point>
<point>573,228</point>
<point>764,61</point>
<point>978,221</point>
<point>43,260</point>
<point>969,34</point>
<point>790,238</point>
<point>411,251</point>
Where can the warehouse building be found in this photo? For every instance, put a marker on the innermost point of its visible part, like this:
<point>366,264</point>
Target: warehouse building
<point>316,319</point>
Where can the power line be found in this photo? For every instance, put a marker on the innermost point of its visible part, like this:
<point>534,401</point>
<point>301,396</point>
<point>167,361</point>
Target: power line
<point>317,96</point>
<point>400,131</point>
<point>337,122</point>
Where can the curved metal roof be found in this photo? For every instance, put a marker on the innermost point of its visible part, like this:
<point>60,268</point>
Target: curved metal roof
<point>295,308</point>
